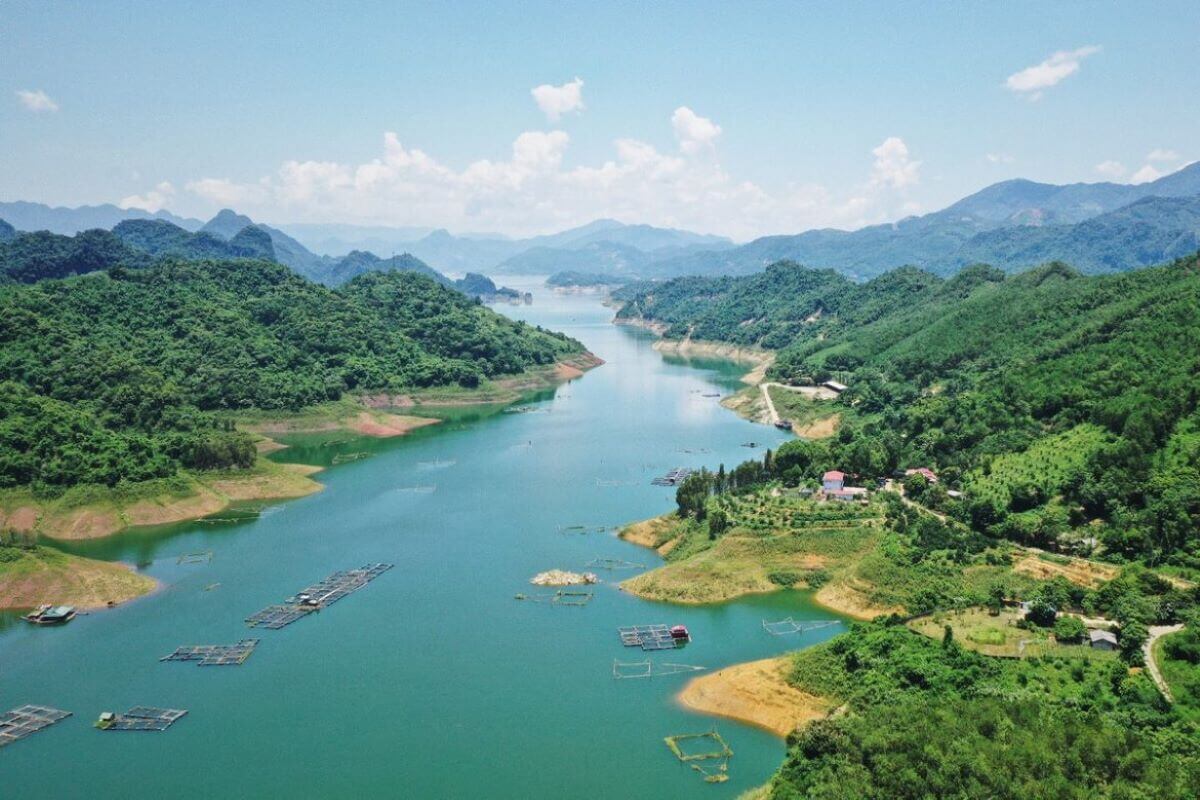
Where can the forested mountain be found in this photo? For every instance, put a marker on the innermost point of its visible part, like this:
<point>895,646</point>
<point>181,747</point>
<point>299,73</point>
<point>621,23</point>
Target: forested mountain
<point>161,238</point>
<point>135,244</point>
<point>227,224</point>
<point>945,240</point>
<point>1149,231</point>
<point>1063,405</point>
<point>25,216</point>
<point>29,257</point>
<point>118,375</point>
<point>358,262</point>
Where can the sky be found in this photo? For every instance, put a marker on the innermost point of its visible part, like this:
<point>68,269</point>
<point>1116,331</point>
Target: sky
<point>741,119</point>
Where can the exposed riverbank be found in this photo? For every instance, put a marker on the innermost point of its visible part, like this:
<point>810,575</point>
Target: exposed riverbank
<point>31,577</point>
<point>756,693</point>
<point>499,391</point>
<point>89,512</point>
<point>738,566</point>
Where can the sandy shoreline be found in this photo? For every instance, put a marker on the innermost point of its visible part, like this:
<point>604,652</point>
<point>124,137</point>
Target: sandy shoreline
<point>756,693</point>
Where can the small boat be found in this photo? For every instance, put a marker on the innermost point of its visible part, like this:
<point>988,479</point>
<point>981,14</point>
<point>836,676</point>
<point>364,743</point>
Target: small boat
<point>680,633</point>
<point>50,615</point>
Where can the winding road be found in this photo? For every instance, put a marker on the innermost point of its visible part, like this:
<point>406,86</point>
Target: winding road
<point>1156,633</point>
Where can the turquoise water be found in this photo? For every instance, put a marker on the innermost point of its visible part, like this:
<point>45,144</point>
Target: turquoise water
<point>433,681</point>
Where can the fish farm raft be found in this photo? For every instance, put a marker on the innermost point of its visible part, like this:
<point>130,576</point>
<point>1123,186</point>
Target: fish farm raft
<point>674,477</point>
<point>315,597</point>
<point>654,637</point>
<point>140,718</point>
<point>215,655</point>
<point>26,721</point>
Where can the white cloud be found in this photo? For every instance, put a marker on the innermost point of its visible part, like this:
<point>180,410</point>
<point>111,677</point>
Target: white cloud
<point>1031,81</point>
<point>999,158</point>
<point>226,193</point>
<point>892,166</point>
<point>1159,154</point>
<point>1146,174</point>
<point>694,132</point>
<point>36,100</point>
<point>1111,169</point>
<point>555,101</point>
<point>154,200</point>
<point>535,189</point>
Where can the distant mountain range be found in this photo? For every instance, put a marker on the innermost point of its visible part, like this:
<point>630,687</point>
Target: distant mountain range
<point>68,221</point>
<point>1014,225</point>
<point>603,245</point>
<point>32,256</point>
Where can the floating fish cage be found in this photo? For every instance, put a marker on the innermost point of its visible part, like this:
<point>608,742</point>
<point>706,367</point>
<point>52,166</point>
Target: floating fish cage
<point>562,597</point>
<point>788,626</point>
<point>140,718</point>
<point>215,655</point>
<point>314,598</point>
<point>697,750</point>
<point>27,720</point>
<point>614,564</point>
<point>654,637</point>
<point>674,477</point>
<point>649,669</point>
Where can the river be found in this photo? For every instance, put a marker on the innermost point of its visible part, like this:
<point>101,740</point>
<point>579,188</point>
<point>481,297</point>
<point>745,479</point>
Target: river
<point>433,681</point>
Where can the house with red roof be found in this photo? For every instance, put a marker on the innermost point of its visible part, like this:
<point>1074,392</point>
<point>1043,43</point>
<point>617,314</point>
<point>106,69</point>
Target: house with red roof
<point>833,481</point>
<point>926,472</point>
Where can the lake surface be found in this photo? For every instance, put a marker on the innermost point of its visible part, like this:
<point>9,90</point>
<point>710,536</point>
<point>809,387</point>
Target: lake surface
<point>433,681</point>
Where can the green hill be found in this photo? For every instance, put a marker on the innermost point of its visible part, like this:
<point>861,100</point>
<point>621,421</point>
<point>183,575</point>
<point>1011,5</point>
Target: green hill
<point>979,374</point>
<point>124,375</point>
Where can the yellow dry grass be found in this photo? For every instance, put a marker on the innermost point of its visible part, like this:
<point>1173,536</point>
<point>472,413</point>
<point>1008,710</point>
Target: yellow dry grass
<point>46,575</point>
<point>756,693</point>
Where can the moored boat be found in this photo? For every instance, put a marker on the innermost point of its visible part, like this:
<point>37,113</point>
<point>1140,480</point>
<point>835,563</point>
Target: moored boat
<point>50,615</point>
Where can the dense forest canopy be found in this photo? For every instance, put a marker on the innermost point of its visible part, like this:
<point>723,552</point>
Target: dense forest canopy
<point>115,375</point>
<point>929,719</point>
<point>1062,405</point>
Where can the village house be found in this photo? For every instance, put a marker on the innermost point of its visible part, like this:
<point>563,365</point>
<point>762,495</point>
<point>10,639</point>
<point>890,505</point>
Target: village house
<point>834,386</point>
<point>833,481</point>
<point>925,472</point>
<point>1103,640</point>
<point>848,494</point>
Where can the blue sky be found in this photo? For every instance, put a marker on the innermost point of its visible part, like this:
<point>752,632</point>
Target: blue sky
<point>739,119</point>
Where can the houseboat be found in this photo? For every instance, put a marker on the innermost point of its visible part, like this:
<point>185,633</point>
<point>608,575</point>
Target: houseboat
<point>680,633</point>
<point>50,615</point>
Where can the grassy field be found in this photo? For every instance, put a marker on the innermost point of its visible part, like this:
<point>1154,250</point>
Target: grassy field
<point>810,417</point>
<point>774,542</point>
<point>976,629</point>
<point>781,539</point>
<point>30,577</point>
<point>85,512</point>
<point>1182,677</point>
